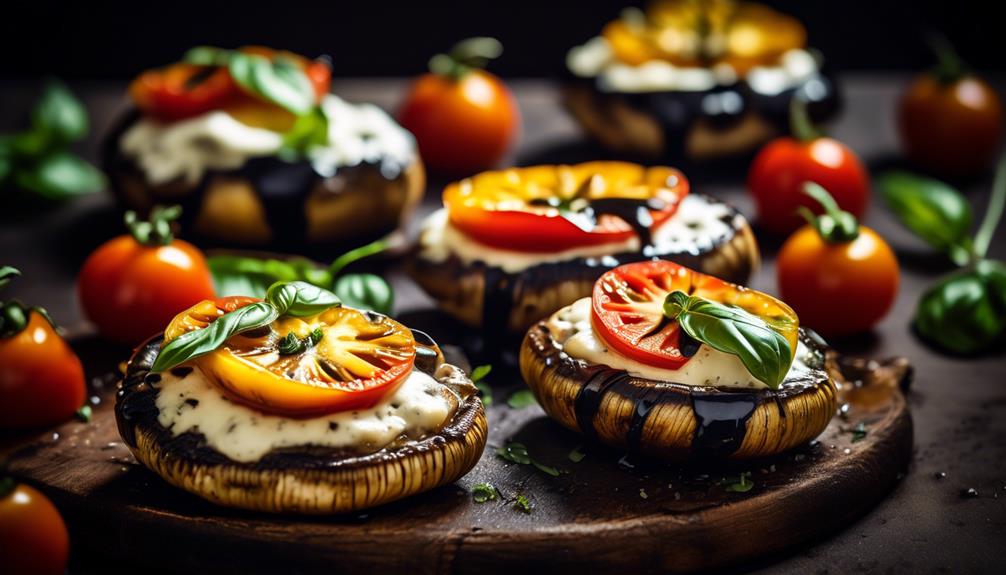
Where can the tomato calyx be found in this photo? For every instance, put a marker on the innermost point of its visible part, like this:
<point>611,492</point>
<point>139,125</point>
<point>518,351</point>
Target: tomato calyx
<point>155,231</point>
<point>14,314</point>
<point>7,485</point>
<point>466,56</point>
<point>800,125</point>
<point>949,68</point>
<point>835,225</point>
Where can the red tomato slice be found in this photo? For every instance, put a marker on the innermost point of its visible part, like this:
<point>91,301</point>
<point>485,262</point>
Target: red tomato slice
<point>182,91</point>
<point>520,209</point>
<point>628,309</point>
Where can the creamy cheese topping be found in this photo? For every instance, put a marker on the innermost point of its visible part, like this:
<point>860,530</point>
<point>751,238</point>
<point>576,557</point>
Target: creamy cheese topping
<point>193,404</point>
<point>595,59</point>
<point>694,228</point>
<point>216,141</point>
<point>571,329</point>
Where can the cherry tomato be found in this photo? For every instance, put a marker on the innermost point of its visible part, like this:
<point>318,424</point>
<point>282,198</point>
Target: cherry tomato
<point>521,208</point>
<point>130,289</point>
<point>32,533</point>
<point>779,170</point>
<point>464,119</point>
<point>842,278</point>
<point>358,359</point>
<point>628,309</point>
<point>182,91</point>
<point>953,128</point>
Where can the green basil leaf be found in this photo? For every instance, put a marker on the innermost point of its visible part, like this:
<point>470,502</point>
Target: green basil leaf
<point>966,311</point>
<point>240,275</point>
<point>59,114</point>
<point>932,210</point>
<point>202,341</point>
<point>521,399</point>
<point>480,372</point>
<point>300,299</point>
<point>61,175</point>
<point>764,351</point>
<point>309,131</point>
<point>208,56</point>
<point>365,291</point>
<point>279,81</point>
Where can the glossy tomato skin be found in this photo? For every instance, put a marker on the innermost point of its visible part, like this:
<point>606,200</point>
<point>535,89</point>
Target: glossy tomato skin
<point>41,378</point>
<point>779,170</point>
<point>167,94</point>
<point>951,129</point>
<point>130,291</point>
<point>33,534</point>
<point>838,289</point>
<point>461,126</point>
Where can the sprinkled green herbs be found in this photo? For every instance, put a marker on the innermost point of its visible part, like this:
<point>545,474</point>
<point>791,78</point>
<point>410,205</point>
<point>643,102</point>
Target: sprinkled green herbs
<point>521,399</point>
<point>577,455</point>
<point>482,492</point>
<point>292,345</point>
<point>517,453</point>
<point>742,484</point>
<point>859,432</point>
<point>523,504</point>
<point>485,392</point>
<point>85,413</point>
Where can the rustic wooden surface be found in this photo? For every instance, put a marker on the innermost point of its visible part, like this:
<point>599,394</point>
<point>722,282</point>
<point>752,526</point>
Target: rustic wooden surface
<point>958,404</point>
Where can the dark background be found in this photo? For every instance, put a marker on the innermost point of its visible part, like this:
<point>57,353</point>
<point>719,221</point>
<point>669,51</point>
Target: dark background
<point>115,40</point>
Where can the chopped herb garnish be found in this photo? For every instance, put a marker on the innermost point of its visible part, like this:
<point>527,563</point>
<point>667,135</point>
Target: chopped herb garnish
<point>521,399</point>
<point>482,492</point>
<point>517,453</point>
<point>84,413</point>
<point>742,484</point>
<point>522,503</point>
<point>480,372</point>
<point>859,432</point>
<point>642,493</point>
<point>485,392</point>
<point>577,455</point>
<point>548,469</point>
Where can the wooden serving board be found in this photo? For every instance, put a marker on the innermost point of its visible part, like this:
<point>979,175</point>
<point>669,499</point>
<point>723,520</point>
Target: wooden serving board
<point>606,513</point>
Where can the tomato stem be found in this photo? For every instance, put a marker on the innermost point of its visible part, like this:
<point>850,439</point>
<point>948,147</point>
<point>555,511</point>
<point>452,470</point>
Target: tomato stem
<point>836,225</point>
<point>993,213</point>
<point>949,66</point>
<point>465,56</point>
<point>359,253</point>
<point>155,231</point>
<point>7,484</point>
<point>800,124</point>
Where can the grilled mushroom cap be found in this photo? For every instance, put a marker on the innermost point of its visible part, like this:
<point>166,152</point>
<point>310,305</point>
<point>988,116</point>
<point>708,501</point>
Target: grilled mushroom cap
<point>487,297</point>
<point>674,421</point>
<point>302,479</point>
<point>356,205</point>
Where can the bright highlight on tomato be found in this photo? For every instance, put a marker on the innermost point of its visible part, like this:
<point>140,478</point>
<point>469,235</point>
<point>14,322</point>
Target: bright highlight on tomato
<point>555,208</point>
<point>628,310</point>
<point>343,358</point>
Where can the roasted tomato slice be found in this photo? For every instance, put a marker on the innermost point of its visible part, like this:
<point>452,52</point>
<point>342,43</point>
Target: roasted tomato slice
<point>628,309</point>
<point>554,208</point>
<point>360,358</point>
<point>182,91</point>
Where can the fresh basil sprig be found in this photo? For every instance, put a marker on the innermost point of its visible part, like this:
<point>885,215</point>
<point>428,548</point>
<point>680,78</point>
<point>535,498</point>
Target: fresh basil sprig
<point>38,161</point>
<point>764,351</point>
<point>243,275</point>
<point>965,311</point>
<point>297,299</point>
<point>278,79</point>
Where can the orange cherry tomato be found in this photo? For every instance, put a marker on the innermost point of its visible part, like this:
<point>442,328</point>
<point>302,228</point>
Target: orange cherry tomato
<point>520,208</point>
<point>32,533</point>
<point>41,378</point>
<point>130,290</point>
<point>953,128</point>
<point>838,288</point>
<point>461,125</point>
<point>182,91</point>
<point>778,172</point>
<point>359,359</point>
<point>628,309</point>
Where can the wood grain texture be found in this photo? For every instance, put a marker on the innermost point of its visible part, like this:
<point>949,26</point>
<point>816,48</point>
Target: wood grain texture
<point>608,513</point>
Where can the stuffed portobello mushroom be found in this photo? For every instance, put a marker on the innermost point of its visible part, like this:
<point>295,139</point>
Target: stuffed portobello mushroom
<point>699,80</point>
<point>511,247</point>
<point>296,404</point>
<point>258,152</point>
<point>671,363</point>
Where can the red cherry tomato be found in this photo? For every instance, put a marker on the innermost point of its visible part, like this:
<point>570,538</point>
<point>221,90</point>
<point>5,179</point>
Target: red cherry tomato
<point>41,379</point>
<point>515,209</point>
<point>130,291</point>
<point>461,125</point>
<point>182,91</point>
<point>32,533</point>
<point>778,172</point>
<point>952,128</point>
<point>838,287</point>
<point>628,309</point>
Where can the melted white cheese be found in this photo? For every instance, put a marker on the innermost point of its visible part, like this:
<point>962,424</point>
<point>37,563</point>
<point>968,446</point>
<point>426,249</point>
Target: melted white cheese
<point>595,59</point>
<point>694,228</point>
<point>572,330</point>
<point>216,141</point>
<point>193,404</point>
